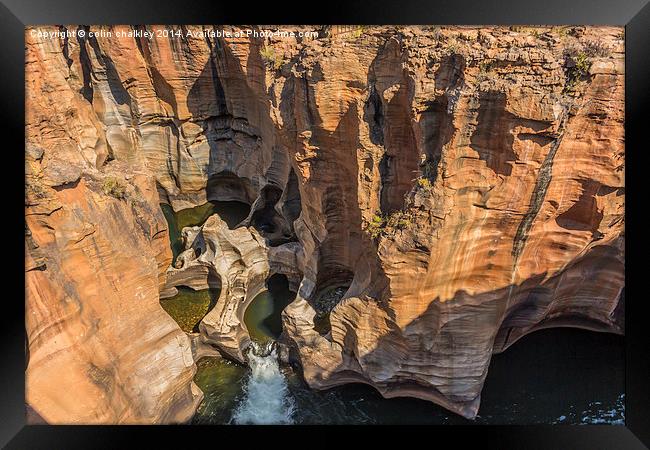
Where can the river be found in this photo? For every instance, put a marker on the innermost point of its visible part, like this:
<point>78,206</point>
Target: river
<point>562,375</point>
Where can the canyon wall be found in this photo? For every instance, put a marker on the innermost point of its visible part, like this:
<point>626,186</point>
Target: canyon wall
<point>464,186</point>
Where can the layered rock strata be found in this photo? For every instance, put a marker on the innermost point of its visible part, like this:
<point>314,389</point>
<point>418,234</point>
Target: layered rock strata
<point>101,350</point>
<point>466,185</point>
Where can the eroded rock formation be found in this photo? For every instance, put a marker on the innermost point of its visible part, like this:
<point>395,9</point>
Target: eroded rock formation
<point>466,185</point>
<point>101,350</point>
<point>239,262</point>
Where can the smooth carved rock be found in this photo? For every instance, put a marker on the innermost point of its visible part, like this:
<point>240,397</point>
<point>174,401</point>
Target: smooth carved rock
<point>239,262</point>
<point>236,261</point>
<point>101,350</point>
<point>500,241</point>
<point>504,184</point>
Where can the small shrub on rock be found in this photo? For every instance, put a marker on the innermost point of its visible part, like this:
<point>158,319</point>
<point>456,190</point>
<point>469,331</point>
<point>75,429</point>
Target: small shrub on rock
<point>576,69</point>
<point>424,183</point>
<point>399,220</point>
<point>114,187</point>
<point>270,58</point>
<point>595,49</point>
<point>375,226</point>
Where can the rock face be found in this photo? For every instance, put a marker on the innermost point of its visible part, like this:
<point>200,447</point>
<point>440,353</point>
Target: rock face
<point>464,185</point>
<point>101,350</point>
<point>236,261</point>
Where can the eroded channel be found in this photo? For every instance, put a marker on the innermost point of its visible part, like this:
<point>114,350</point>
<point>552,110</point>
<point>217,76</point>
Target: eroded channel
<point>515,391</point>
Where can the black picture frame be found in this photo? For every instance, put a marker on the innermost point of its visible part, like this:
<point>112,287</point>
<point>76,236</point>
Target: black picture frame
<point>634,14</point>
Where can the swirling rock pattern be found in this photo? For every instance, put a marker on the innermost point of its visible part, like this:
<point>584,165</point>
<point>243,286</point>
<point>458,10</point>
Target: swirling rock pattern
<point>237,261</point>
<point>466,183</point>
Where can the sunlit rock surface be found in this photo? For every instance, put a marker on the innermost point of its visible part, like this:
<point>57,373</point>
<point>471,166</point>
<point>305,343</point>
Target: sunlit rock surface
<point>466,184</point>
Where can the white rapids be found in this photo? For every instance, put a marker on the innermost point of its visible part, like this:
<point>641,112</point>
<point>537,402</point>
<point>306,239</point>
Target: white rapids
<point>266,398</point>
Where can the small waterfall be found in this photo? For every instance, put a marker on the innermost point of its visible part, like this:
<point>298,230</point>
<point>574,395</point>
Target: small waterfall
<point>266,394</point>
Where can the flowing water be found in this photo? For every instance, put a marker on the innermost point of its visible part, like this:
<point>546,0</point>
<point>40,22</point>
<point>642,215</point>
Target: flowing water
<point>564,375</point>
<point>266,400</point>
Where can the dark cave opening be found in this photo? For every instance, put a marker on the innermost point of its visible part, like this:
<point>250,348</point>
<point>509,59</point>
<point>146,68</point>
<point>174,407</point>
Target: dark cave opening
<point>231,212</point>
<point>264,219</point>
<point>331,287</point>
<point>438,129</point>
<point>277,226</point>
<point>373,114</point>
<point>227,186</point>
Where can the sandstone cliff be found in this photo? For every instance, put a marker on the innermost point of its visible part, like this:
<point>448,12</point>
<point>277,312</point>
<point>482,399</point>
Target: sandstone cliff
<point>464,186</point>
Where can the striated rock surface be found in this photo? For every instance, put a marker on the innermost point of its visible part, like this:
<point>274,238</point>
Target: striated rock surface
<point>101,350</point>
<point>238,262</point>
<point>238,259</point>
<point>464,186</point>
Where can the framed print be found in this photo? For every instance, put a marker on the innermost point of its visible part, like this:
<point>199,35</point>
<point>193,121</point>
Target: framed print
<point>407,216</point>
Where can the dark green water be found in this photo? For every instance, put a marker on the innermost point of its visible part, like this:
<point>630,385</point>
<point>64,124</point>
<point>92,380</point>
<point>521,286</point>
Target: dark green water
<point>230,212</point>
<point>562,375</point>
<point>188,307</point>
<point>222,383</point>
<point>262,317</point>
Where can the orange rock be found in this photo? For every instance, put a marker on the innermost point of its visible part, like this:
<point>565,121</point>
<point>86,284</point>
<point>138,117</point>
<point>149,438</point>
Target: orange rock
<point>456,179</point>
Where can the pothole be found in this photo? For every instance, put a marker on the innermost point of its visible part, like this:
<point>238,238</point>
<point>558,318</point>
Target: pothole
<point>189,307</point>
<point>324,304</point>
<point>263,317</point>
<point>232,212</point>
